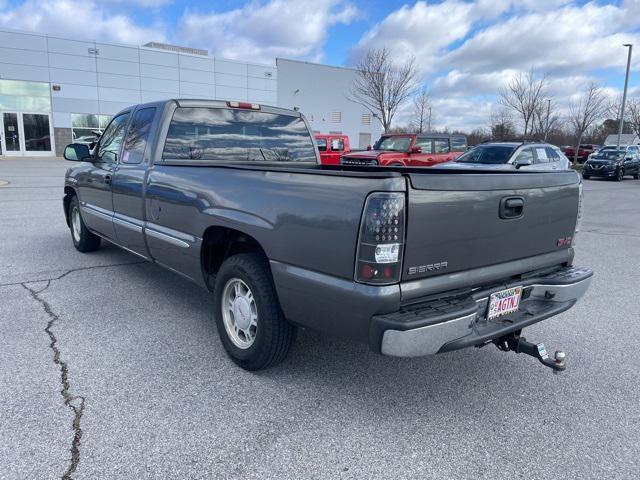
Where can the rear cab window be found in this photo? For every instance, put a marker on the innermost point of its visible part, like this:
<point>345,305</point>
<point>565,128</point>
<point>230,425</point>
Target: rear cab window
<point>322,144</point>
<point>441,145</point>
<point>458,144</point>
<point>228,135</point>
<point>337,144</point>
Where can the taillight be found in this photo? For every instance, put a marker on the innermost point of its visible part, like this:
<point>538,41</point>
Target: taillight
<point>381,240</point>
<point>245,105</point>
<point>579,219</point>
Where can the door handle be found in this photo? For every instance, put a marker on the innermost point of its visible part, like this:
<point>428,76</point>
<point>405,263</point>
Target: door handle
<point>511,207</point>
<point>107,179</point>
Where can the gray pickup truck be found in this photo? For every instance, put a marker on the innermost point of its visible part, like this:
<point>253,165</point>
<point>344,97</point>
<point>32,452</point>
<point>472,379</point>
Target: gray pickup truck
<point>411,261</point>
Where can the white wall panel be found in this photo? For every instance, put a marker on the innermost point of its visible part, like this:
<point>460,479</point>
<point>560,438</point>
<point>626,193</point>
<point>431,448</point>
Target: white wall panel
<point>23,57</point>
<point>62,119</point>
<point>231,93</point>
<point>196,63</point>
<point>68,90</point>
<point>158,85</point>
<point>111,108</point>
<point>231,80</point>
<point>74,105</point>
<point>158,58</point>
<point>234,68</point>
<point>158,71</point>
<point>262,96</point>
<point>119,95</point>
<point>260,71</point>
<point>156,96</point>
<point>70,47</point>
<point>197,76</point>
<point>74,62</point>
<point>196,90</point>
<point>78,77</point>
<point>262,84</point>
<point>119,81</point>
<point>23,40</point>
<point>24,72</point>
<point>117,52</point>
<point>116,66</point>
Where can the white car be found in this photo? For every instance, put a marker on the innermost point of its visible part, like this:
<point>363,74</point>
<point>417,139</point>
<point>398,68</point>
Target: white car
<point>512,156</point>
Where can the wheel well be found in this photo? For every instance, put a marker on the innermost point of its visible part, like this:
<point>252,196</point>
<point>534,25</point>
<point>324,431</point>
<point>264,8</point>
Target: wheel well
<point>220,243</point>
<point>69,193</point>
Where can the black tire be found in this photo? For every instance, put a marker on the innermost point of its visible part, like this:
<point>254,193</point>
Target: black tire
<point>619,175</point>
<point>636,176</point>
<point>83,239</point>
<point>274,335</point>
<point>586,177</point>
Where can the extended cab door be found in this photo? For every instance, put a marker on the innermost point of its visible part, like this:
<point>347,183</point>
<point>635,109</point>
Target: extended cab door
<point>426,157</point>
<point>94,186</point>
<point>129,179</point>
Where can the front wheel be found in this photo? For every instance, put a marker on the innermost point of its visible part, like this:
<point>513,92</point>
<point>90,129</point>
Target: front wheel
<point>619,175</point>
<point>83,239</point>
<point>250,322</point>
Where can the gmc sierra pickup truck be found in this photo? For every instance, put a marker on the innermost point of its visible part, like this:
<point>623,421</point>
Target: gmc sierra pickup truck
<point>411,261</point>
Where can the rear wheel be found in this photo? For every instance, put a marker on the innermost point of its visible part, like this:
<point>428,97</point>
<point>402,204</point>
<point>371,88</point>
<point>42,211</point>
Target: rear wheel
<point>619,175</point>
<point>586,177</point>
<point>636,176</point>
<point>83,239</point>
<point>250,322</point>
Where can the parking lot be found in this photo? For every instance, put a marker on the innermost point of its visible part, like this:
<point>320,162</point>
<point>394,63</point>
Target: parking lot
<point>112,368</point>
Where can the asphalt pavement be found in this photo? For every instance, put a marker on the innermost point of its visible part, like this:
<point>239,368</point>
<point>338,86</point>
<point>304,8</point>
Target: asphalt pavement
<point>112,368</point>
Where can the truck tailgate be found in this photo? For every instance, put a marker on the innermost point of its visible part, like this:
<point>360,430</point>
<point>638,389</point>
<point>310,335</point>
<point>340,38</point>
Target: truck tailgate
<point>469,220</point>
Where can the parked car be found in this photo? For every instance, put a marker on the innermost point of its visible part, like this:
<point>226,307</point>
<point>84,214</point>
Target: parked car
<point>584,150</point>
<point>410,150</point>
<point>332,147</point>
<point>612,162</point>
<point>512,156</point>
<point>232,196</point>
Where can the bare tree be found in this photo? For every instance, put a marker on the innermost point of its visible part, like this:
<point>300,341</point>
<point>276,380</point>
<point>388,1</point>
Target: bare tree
<point>524,94</point>
<point>585,112</point>
<point>382,86</point>
<point>501,124</point>
<point>421,120</point>
<point>545,118</point>
<point>633,114</point>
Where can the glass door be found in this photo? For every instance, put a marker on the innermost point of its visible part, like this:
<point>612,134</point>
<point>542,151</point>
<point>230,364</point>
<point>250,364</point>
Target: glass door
<point>11,142</point>
<point>36,129</point>
<point>23,133</point>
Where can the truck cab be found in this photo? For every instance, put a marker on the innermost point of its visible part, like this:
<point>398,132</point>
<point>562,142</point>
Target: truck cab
<point>410,150</point>
<point>332,147</point>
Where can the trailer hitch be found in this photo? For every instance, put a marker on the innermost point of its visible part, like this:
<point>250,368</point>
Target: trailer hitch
<point>514,342</point>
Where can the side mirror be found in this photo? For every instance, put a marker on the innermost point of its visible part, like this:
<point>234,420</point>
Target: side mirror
<point>416,150</point>
<point>368,147</point>
<point>523,162</point>
<point>77,152</point>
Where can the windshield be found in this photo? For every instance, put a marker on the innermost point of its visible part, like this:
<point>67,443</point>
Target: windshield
<point>394,144</point>
<point>488,154</point>
<point>609,153</point>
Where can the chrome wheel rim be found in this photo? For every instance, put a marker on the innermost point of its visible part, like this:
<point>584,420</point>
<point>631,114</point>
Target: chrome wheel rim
<point>75,224</point>
<point>239,313</point>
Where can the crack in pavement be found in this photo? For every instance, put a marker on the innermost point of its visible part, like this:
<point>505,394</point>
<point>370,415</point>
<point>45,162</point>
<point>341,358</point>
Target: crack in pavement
<point>74,402</point>
<point>612,234</point>
<point>79,269</point>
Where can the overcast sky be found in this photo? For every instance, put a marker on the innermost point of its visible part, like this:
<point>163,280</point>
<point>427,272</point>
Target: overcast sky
<point>464,50</point>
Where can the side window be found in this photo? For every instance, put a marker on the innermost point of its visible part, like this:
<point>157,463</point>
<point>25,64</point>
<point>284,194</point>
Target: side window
<point>322,144</point>
<point>337,144</point>
<point>425,144</point>
<point>111,140</point>
<point>552,154</point>
<point>525,154</point>
<point>441,145</point>
<point>541,155</point>
<point>458,144</point>
<point>136,141</point>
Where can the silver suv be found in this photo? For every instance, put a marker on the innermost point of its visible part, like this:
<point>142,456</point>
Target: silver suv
<point>512,156</point>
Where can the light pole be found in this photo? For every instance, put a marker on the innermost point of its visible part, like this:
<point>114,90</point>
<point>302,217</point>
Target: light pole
<point>546,130</point>
<point>624,94</point>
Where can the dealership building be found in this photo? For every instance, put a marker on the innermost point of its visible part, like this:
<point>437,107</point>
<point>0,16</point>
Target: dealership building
<point>54,90</point>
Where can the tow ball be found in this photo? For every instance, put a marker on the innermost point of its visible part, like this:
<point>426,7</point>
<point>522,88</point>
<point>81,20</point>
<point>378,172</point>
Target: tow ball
<point>514,342</point>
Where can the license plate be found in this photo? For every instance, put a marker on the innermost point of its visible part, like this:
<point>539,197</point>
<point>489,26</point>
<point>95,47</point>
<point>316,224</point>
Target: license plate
<point>504,302</point>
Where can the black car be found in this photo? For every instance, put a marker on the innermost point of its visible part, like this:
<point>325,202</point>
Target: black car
<point>612,162</point>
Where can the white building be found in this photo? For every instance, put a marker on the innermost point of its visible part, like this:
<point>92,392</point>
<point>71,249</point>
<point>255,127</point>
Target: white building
<point>54,90</point>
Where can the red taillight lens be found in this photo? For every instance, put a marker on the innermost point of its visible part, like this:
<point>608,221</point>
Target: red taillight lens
<point>381,240</point>
<point>245,105</point>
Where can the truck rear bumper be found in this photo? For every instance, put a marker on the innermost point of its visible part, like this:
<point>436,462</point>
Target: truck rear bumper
<point>457,322</point>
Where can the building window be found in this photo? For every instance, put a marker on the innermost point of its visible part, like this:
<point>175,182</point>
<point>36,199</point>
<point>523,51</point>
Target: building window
<point>336,117</point>
<point>24,96</point>
<point>366,119</point>
<point>85,125</point>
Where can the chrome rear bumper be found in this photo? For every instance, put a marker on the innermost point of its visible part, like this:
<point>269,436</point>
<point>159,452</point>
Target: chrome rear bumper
<point>542,298</point>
